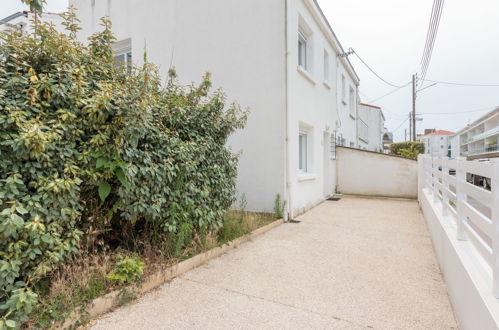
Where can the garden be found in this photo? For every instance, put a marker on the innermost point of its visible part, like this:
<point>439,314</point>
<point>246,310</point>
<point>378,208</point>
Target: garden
<point>105,175</point>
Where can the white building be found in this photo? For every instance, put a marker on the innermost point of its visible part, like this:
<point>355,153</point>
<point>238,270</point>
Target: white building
<point>437,143</point>
<point>479,139</point>
<point>370,127</point>
<point>23,20</point>
<point>277,57</point>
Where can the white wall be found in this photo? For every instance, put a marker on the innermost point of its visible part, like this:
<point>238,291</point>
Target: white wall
<point>436,145</point>
<point>242,43</point>
<point>313,107</point>
<point>375,174</point>
<point>373,117</point>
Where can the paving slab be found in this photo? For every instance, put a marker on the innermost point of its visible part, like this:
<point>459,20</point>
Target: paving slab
<point>357,263</point>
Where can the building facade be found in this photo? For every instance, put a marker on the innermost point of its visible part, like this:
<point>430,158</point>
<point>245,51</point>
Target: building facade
<point>279,58</point>
<point>370,127</point>
<point>480,139</point>
<point>23,21</point>
<point>437,143</point>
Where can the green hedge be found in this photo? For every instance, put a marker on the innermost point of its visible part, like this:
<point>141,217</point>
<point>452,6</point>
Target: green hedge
<point>407,149</point>
<point>94,157</point>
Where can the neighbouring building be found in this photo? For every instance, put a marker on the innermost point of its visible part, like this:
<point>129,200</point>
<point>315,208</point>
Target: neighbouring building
<point>280,58</point>
<point>23,20</point>
<point>387,141</point>
<point>480,139</point>
<point>370,127</point>
<point>437,142</point>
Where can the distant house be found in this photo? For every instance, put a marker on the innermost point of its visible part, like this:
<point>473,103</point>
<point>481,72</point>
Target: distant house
<point>370,127</point>
<point>387,141</point>
<point>437,142</point>
<point>280,58</point>
<point>480,139</point>
<point>22,20</point>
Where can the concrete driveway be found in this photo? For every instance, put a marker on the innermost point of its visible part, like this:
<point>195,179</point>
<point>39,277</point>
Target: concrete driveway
<point>352,264</point>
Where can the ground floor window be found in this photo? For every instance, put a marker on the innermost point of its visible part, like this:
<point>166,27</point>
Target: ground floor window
<point>303,152</point>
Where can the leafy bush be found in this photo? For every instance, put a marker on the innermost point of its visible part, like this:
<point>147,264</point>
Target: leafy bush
<point>94,157</point>
<point>127,270</point>
<point>407,149</point>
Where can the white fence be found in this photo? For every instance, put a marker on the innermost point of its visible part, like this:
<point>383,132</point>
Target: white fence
<point>468,192</point>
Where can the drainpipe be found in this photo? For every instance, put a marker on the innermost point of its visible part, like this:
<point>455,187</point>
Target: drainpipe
<point>287,185</point>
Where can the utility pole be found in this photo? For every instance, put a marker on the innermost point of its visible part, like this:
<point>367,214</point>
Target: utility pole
<point>413,119</point>
<point>405,134</point>
<point>410,126</point>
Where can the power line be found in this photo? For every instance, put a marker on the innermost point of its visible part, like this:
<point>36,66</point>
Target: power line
<point>374,72</point>
<point>462,84</point>
<point>461,112</point>
<point>431,35</point>
<point>401,124</point>
<point>390,93</point>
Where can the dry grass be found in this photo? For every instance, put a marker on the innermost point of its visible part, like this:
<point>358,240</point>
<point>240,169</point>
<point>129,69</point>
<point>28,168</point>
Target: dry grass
<point>76,283</point>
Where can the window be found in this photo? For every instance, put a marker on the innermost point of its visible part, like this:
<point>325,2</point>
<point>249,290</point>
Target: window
<point>303,152</point>
<point>123,54</point>
<point>302,50</point>
<point>326,66</point>
<point>124,61</point>
<point>343,91</point>
<point>352,102</point>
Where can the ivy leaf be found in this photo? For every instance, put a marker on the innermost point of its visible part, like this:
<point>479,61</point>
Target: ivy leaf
<point>121,177</point>
<point>101,162</point>
<point>10,324</point>
<point>104,190</point>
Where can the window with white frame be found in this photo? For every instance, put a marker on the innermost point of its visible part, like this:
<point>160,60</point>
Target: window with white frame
<point>343,88</point>
<point>305,46</point>
<point>123,54</point>
<point>363,131</point>
<point>303,152</point>
<point>352,102</point>
<point>302,50</point>
<point>326,66</point>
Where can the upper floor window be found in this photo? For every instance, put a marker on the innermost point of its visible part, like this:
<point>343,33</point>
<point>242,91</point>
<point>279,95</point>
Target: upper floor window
<point>305,46</point>
<point>326,66</point>
<point>352,102</point>
<point>302,50</point>
<point>123,54</point>
<point>343,88</point>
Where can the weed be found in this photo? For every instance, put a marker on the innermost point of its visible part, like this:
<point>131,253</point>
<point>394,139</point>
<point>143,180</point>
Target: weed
<point>127,270</point>
<point>279,206</point>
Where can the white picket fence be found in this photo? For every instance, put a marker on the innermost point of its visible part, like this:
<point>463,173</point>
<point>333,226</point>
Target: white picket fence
<point>473,207</point>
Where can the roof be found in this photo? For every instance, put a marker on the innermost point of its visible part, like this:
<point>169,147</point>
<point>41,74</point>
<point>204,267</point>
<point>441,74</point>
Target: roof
<point>439,132</point>
<point>13,16</point>
<point>371,106</point>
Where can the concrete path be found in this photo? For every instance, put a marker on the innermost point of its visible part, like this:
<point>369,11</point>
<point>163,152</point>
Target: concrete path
<point>352,264</point>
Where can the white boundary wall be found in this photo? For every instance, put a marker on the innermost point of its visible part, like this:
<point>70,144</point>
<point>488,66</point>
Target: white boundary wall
<point>463,220</point>
<point>368,173</point>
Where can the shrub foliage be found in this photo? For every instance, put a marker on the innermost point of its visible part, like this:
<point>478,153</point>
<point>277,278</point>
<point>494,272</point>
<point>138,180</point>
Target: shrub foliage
<point>407,149</point>
<point>93,156</point>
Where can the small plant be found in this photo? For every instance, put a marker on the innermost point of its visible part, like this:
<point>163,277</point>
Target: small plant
<point>279,206</point>
<point>128,270</point>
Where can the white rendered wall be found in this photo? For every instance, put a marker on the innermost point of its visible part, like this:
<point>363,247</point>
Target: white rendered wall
<point>375,174</point>
<point>242,43</point>
<point>312,104</point>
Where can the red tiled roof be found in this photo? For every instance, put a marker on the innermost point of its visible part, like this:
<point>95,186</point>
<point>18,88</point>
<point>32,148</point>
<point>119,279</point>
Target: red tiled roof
<point>370,106</point>
<point>439,132</point>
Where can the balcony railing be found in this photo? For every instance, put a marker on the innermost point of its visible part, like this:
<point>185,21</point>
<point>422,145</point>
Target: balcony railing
<point>482,150</point>
<point>468,192</point>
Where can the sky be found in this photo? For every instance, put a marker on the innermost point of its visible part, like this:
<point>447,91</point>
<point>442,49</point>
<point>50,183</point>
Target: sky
<point>390,36</point>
